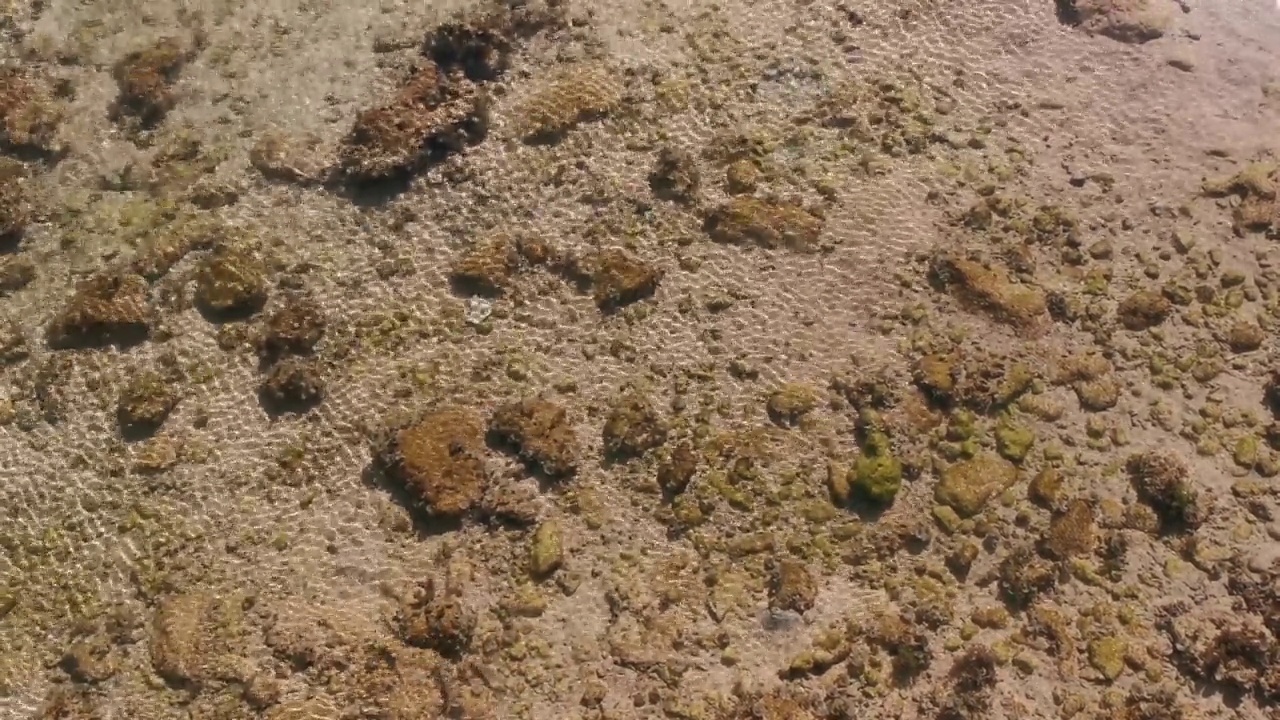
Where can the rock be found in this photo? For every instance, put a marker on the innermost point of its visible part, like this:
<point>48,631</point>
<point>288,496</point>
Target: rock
<point>1162,481</point>
<point>1106,655</point>
<point>620,279</point>
<point>749,220</point>
<point>675,176</point>
<point>15,273</point>
<point>145,403</point>
<point>432,117</point>
<point>108,308</point>
<point>968,485</point>
<point>1013,441</point>
<point>293,384</point>
<point>90,661</point>
<point>1098,395</point>
<point>1045,489</point>
<point>487,268</point>
<point>675,473</point>
<point>1143,310</point>
<point>990,289</point>
<point>1024,575</point>
<point>791,586</point>
<point>29,117</point>
<point>578,93</point>
<point>789,402</point>
<point>437,620</point>
<point>633,426</point>
<point>741,177</point>
<point>1071,533</point>
<point>289,158</point>
<point>540,431</point>
<point>546,550</point>
<point>14,212</point>
<point>13,343</point>
<point>295,328</point>
<point>510,502</point>
<point>876,476</point>
<point>193,638</point>
<point>1245,336</point>
<point>231,283</point>
<point>1129,21</point>
<point>145,79</point>
<point>440,461</point>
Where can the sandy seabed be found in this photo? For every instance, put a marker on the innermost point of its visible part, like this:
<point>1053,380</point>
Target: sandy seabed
<point>778,360</point>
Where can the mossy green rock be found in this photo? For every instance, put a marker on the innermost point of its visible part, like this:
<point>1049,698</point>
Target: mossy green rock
<point>1014,441</point>
<point>1106,655</point>
<point>968,485</point>
<point>546,552</point>
<point>876,476</point>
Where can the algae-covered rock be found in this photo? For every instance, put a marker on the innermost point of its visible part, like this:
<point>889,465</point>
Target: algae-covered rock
<point>968,485</point>
<point>1144,309</point>
<point>633,426</point>
<point>992,290</point>
<point>791,586</point>
<point>108,308</point>
<point>1014,441</point>
<point>790,402</point>
<point>546,549</point>
<point>748,220</point>
<point>1106,655</point>
<point>540,431</point>
<point>876,476</point>
<point>1071,533</point>
<point>231,282</point>
<point>1163,482</point>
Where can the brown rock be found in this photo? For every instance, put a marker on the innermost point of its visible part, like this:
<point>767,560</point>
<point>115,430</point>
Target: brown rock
<point>433,116</point>
<point>1130,21</point>
<point>90,661</point>
<point>293,329</point>
<point>633,427</point>
<point>14,212</point>
<point>440,460</point>
<point>968,485</point>
<point>1144,309</point>
<point>1163,482</point>
<point>750,220</point>
<point>1098,395</point>
<point>540,431</point>
<point>991,289</point>
<point>29,117</point>
<point>193,638</point>
<point>293,384</point>
<point>675,176</point>
<point>620,279</point>
<point>108,308</point>
<point>145,79</point>
<point>1245,336</point>
<point>677,471</point>
<point>145,403</point>
<point>791,586</point>
<point>13,343</point>
<point>487,268</point>
<point>1072,533</point>
<point>437,620</point>
<point>15,273</point>
<point>231,282</point>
